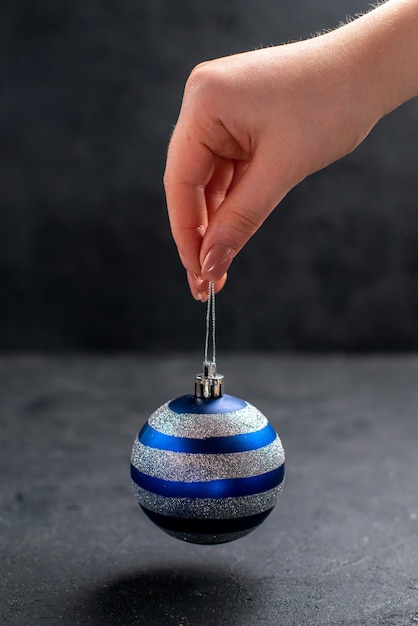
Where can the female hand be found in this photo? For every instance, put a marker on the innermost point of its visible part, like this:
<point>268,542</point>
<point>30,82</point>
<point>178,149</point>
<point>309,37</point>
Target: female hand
<point>253,125</point>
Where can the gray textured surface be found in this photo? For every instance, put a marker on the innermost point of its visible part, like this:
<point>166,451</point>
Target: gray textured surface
<point>90,92</point>
<point>340,548</point>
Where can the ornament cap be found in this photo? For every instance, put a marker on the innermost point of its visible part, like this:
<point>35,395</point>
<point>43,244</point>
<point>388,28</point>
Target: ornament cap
<point>209,383</point>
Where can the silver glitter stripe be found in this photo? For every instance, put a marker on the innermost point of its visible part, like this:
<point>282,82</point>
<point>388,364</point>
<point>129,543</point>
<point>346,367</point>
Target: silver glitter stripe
<point>180,466</point>
<point>247,420</point>
<point>206,508</point>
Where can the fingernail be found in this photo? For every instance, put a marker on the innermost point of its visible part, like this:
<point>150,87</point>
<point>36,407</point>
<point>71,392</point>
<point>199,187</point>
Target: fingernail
<point>198,286</point>
<point>217,261</point>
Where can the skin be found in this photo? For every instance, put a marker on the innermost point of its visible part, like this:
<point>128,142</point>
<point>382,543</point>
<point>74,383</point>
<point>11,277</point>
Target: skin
<point>253,125</point>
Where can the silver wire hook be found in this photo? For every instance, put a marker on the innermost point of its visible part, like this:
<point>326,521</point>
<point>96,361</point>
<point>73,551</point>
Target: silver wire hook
<point>210,321</point>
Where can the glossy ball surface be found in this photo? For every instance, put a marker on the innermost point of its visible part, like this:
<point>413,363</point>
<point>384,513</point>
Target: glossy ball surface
<point>207,471</point>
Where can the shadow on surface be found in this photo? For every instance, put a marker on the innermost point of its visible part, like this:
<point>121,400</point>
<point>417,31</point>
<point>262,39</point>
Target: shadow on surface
<point>172,595</point>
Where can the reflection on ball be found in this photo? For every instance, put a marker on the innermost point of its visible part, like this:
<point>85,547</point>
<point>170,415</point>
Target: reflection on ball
<point>207,470</point>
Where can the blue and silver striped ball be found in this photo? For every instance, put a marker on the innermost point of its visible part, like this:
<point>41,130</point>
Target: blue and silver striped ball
<point>207,471</point>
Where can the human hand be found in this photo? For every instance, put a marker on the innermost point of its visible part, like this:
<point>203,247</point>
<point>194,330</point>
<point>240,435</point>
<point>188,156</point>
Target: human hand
<point>253,125</point>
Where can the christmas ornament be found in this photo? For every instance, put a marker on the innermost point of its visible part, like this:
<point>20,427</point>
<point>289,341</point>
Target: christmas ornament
<point>207,468</point>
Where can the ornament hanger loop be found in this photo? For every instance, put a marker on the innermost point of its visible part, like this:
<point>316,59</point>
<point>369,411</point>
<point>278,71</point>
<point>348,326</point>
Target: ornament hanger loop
<point>210,317</point>
<point>209,383</point>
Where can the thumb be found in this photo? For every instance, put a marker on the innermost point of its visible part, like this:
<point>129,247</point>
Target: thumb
<point>239,216</point>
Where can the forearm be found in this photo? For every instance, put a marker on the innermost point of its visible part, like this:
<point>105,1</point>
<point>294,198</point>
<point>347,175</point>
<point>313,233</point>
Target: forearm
<point>382,48</point>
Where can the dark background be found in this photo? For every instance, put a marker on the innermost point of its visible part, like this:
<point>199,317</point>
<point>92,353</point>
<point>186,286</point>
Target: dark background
<point>90,92</point>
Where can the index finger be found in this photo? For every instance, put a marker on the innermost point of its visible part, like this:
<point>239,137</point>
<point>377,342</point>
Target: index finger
<point>190,165</point>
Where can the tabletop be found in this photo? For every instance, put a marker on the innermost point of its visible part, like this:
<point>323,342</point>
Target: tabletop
<point>340,547</point>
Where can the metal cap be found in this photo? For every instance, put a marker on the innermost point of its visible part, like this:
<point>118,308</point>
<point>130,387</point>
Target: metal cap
<point>208,384</point>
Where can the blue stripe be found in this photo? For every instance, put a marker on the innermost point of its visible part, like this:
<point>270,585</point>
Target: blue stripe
<point>200,406</point>
<point>222,488</point>
<point>212,445</point>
